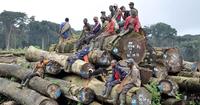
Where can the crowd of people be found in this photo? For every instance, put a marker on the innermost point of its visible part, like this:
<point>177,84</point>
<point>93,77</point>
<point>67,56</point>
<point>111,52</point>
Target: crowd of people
<point>119,22</point>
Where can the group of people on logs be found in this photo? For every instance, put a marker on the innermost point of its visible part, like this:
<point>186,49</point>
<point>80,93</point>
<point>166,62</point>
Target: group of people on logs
<point>119,22</point>
<point>111,25</point>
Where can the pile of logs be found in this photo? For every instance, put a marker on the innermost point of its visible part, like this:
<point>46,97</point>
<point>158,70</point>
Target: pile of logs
<point>73,81</point>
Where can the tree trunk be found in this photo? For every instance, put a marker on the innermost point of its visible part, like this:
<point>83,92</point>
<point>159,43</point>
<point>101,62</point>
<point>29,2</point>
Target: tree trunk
<point>190,66</point>
<point>43,43</point>
<point>8,38</point>
<point>37,83</point>
<point>186,83</point>
<point>9,103</point>
<point>132,45</point>
<point>173,101</point>
<point>24,96</point>
<point>79,67</point>
<point>170,57</point>
<point>168,87</point>
<point>189,74</point>
<point>141,95</point>
<point>74,92</point>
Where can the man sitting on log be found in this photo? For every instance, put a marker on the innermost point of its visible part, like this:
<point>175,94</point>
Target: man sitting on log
<point>132,23</point>
<point>39,70</point>
<point>132,79</point>
<point>85,32</point>
<point>117,76</point>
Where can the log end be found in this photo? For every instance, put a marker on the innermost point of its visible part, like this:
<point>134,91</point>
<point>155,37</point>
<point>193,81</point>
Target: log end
<point>87,95</point>
<point>54,91</point>
<point>168,87</point>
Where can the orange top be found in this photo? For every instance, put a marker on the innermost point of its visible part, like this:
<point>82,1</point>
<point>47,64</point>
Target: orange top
<point>40,67</point>
<point>110,28</point>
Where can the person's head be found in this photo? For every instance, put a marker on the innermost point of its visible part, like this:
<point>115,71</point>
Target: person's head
<point>109,18</point>
<point>103,13</point>
<point>133,13</point>
<point>131,5</point>
<point>41,58</point>
<point>85,20</point>
<point>122,8</point>
<point>95,19</point>
<point>66,19</point>
<point>115,6</point>
<point>111,8</point>
<point>113,63</point>
<point>130,62</point>
<point>103,19</point>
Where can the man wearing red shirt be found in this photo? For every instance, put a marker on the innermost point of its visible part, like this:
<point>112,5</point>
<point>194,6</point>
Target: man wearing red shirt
<point>132,22</point>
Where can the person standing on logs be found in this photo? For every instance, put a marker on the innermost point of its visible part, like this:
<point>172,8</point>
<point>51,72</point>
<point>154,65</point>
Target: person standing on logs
<point>39,70</point>
<point>112,11</point>
<point>131,6</point>
<point>85,32</point>
<point>118,74</point>
<point>131,80</point>
<point>64,31</point>
<point>104,23</point>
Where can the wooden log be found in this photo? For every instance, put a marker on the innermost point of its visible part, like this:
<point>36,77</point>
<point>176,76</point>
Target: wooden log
<point>10,59</point>
<point>140,95</point>
<point>187,83</point>
<point>37,83</point>
<point>190,66</point>
<point>173,101</point>
<point>24,96</point>
<point>168,87</point>
<point>189,74</point>
<point>67,46</point>
<point>160,72</point>
<point>13,52</point>
<point>173,60</point>
<point>95,103</point>
<point>132,45</point>
<point>99,57</point>
<point>9,103</point>
<point>74,92</point>
<point>79,67</point>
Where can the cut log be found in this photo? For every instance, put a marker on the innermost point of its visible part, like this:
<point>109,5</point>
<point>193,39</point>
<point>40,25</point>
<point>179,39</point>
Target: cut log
<point>15,53</point>
<point>168,87</point>
<point>66,47</point>
<point>79,67</point>
<point>24,96</point>
<point>187,83</point>
<point>189,74</point>
<point>95,103</point>
<point>173,101</point>
<point>190,66</point>
<point>99,58</point>
<point>74,92</point>
<point>140,95</point>
<point>160,72</point>
<point>37,83</point>
<point>132,45</point>
<point>10,59</point>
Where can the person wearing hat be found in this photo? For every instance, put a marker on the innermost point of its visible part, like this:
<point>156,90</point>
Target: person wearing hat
<point>103,14</point>
<point>97,26</point>
<point>132,79</point>
<point>118,74</point>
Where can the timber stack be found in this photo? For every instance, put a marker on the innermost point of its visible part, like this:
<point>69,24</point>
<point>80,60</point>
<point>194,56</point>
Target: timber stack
<point>71,78</point>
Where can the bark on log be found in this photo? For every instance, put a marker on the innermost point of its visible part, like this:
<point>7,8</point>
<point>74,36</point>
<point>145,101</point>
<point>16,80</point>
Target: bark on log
<point>189,74</point>
<point>15,53</point>
<point>140,94</point>
<point>79,67</point>
<point>160,72</point>
<point>74,92</point>
<point>24,96</point>
<point>9,103</point>
<point>173,101</point>
<point>66,47</point>
<point>187,83</point>
<point>37,83</point>
<point>132,45</point>
<point>168,87</point>
<point>10,59</point>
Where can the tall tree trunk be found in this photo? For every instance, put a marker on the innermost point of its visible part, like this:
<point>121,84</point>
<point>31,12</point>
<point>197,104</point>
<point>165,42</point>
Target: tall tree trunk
<point>37,83</point>
<point>43,44</point>
<point>24,96</point>
<point>8,38</point>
